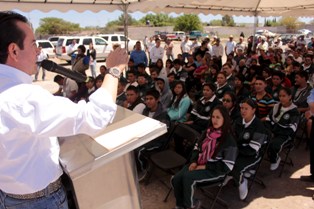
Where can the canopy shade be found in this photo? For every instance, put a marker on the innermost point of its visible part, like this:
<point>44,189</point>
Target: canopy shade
<point>299,8</point>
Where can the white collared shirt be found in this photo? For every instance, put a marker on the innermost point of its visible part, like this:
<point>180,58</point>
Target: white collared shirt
<point>31,120</point>
<point>248,123</point>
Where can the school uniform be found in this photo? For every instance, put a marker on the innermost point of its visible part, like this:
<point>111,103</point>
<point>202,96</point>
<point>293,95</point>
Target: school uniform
<point>200,114</point>
<point>283,128</point>
<point>216,168</point>
<point>221,90</point>
<point>250,138</point>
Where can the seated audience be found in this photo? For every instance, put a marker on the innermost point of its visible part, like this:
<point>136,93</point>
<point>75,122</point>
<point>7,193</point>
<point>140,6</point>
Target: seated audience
<point>179,104</point>
<point>250,135</point>
<point>212,158</point>
<point>282,121</point>
<point>133,100</point>
<point>229,101</point>
<point>200,114</point>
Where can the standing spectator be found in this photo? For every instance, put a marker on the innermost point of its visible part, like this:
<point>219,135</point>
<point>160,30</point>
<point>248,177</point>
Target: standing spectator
<point>81,61</point>
<point>242,45</point>
<point>218,52</point>
<point>150,44</point>
<point>40,57</point>
<point>72,50</point>
<point>169,49</point>
<point>91,53</point>
<point>138,55</point>
<point>157,52</point>
<point>186,47</point>
<point>230,45</point>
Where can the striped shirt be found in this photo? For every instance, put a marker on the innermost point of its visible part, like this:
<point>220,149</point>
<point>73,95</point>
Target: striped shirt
<point>264,104</point>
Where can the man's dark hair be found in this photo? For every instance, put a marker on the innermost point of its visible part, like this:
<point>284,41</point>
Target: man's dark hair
<point>133,88</point>
<point>83,48</point>
<point>154,93</point>
<point>303,74</point>
<point>57,78</point>
<point>10,33</point>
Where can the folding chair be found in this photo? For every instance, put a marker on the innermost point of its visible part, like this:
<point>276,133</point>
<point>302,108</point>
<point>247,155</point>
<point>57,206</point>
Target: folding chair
<point>171,161</point>
<point>215,197</point>
<point>287,148</point>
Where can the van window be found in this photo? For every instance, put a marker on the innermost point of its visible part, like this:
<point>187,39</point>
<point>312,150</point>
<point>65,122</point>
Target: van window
<point>45,45</point>
<point>54,39</point>
<point>105,37</point>
<point>87,41</point>
<point>114,38</point>
<point>60,41</point>
<point>99,41</point>
<point>122,38</point>
<point>69,41</point>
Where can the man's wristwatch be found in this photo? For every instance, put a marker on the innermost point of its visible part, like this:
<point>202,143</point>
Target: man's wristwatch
<point>115,72</point>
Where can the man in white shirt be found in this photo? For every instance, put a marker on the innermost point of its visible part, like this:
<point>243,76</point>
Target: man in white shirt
<point>32,119</point>
<point>230,45</point>
<point>218,52</point>
<point>157,52</point>
<point>186,47</point>
<point>41,56</point>
<point>67,87</point>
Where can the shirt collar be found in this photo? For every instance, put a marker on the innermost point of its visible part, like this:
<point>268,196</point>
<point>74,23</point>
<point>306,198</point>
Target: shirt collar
<point>10,76</point>
<point>248,123</point>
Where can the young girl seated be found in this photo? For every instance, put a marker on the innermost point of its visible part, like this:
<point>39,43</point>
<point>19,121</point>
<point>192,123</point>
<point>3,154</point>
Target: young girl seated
<point>212,158</point>
<point>282,121</point>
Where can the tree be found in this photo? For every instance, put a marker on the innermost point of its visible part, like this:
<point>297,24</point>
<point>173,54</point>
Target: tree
<point>290,23</point>
<point>52,25</point>
<point>228,21</point>
<point>188,22</point>
<point>157,20</point>
<point>216,23</point>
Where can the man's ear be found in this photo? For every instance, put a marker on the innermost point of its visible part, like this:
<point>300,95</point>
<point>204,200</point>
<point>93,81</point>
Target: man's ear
<point>13,50</point>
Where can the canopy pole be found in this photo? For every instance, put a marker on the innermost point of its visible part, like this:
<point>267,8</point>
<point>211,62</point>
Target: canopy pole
<point>125,24</point>
<point>254,30</point>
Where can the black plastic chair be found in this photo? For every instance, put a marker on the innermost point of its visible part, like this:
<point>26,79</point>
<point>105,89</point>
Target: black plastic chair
<point>169,160</point>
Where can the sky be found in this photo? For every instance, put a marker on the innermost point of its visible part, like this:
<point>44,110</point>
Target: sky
<point>89,18</point>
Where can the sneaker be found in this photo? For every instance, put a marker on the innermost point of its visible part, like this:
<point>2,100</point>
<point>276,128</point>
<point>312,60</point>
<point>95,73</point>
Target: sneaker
<point>309,178</point>
<point>243,189</point>
<point>274,166</point>
<point>249,173</point>
<point>197,204</point>
<point>227,179</point>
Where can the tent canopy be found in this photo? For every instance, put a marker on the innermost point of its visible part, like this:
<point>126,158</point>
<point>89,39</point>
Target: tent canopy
<point>299,8</point>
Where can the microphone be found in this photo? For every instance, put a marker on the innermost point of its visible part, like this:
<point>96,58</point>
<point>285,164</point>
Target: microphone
<point>54,67</point>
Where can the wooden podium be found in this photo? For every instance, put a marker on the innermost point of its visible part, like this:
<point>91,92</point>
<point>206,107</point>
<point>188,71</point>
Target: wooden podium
<point>101,168</point>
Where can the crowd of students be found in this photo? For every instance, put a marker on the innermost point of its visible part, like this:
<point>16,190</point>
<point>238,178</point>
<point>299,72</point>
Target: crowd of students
<point>259,93</point>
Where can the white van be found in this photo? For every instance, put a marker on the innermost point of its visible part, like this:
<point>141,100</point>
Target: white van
<point>100,45</point>
<point>47,47</point>
<point>113,39</point>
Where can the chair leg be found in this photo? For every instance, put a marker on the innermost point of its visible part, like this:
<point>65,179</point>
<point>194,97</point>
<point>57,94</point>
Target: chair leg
<point>169,192</point>
<point>216,198</point>
<point>285,162</point>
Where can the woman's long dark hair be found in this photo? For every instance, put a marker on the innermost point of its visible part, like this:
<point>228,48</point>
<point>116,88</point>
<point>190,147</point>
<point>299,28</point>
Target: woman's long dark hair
<point>226,129</point>
<point>174,102</point>
<point>288,91</point>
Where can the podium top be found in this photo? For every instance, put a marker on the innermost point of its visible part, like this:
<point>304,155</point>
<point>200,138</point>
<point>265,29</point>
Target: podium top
<point>81,153</point>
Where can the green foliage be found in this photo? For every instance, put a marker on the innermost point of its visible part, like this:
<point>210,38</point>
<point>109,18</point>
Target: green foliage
<point>188,22</point>
<point>291,23</point>
<point>271,23</point>
<point>215,23</point>
<point>228,21</point>
<point>157,20</point>
<point>52,25</point>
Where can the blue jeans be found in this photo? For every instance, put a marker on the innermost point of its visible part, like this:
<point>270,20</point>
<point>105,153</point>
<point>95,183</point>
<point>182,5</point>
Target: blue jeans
<point>56,200</point>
